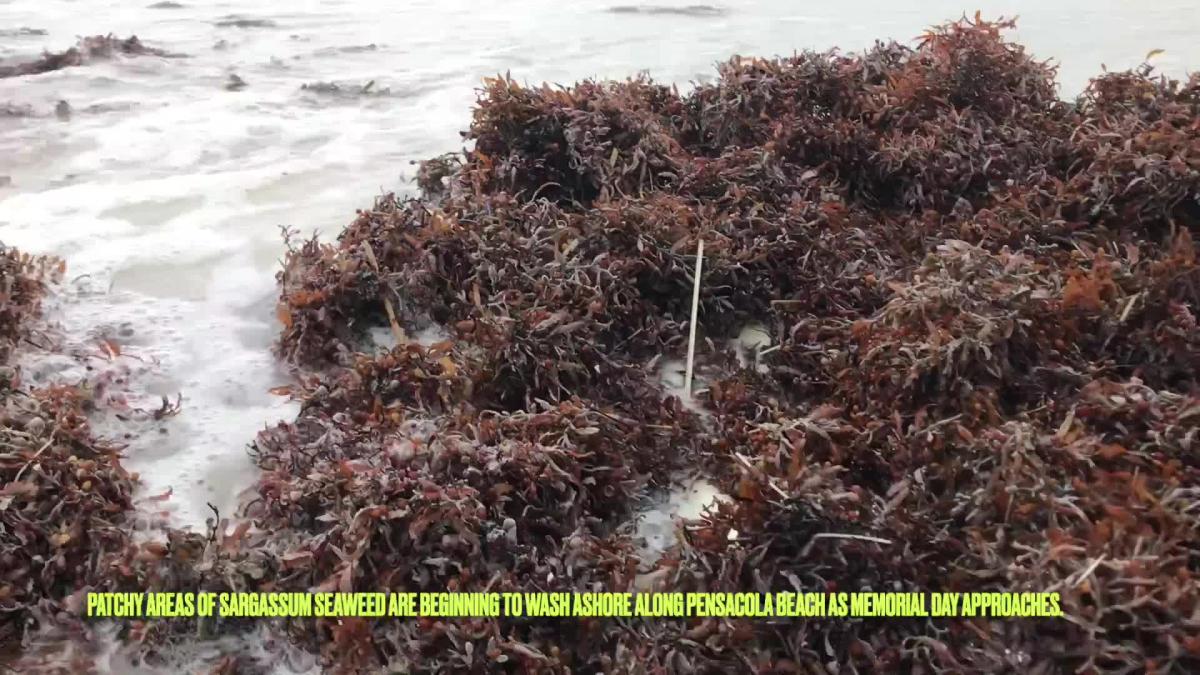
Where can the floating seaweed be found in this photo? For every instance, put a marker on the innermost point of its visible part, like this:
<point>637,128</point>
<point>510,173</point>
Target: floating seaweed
<point>237,21</point>
<point>235,83</point>
<point>343,90</point>
<point>346,49</point>
<point>23,31</point>
<point>10,109</point>
<point>89,48</point>
<point>686,10</point>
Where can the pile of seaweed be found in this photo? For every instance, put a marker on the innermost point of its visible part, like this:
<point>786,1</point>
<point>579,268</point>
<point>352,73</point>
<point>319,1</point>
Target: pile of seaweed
<point>979,373</point>
<point>64,493</point>
<point>982,371</point>
<point>89,48</point>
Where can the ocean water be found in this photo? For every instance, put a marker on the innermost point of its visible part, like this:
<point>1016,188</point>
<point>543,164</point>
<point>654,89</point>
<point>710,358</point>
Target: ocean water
<point>166,191</point>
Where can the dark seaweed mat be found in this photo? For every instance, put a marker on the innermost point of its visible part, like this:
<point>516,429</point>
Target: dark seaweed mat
<point>88,49</point>
<point>983,299</point>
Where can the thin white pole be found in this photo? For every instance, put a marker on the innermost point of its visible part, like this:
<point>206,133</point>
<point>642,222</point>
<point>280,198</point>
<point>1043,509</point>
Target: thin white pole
<point>691,356</point>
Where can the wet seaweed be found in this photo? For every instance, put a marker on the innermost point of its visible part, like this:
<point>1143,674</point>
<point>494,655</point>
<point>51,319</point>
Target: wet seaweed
<point>88,49</point>
<point>237,21</point>
<point>11,110</point>
<point>23,31</point>
<point>235,83</point>
<point>686,10</point>
<point>971,287</point>
<point>64,491</point>
<point>346,91</point>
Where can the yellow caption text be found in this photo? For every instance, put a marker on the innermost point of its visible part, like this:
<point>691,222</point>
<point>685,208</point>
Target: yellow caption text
<point>663,605</point>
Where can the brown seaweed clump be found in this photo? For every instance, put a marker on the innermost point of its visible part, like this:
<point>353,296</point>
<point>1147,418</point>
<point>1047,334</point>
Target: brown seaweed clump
<point>984,374</point>
<point>89,48</point>
<point>64,493</point>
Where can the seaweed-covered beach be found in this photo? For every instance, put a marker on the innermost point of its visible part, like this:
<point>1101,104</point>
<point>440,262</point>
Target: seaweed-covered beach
<point>946,342</point>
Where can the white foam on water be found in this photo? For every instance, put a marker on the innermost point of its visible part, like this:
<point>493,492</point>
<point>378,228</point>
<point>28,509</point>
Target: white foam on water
<point>432,334</point>
<point>106,653</point>
<point>672,375</point>
<point>382,338</point>
<point>688,499</point>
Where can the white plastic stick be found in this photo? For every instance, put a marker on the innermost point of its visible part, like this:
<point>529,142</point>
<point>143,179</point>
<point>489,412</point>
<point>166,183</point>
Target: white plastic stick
<point>691,357</point>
